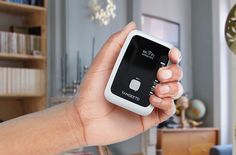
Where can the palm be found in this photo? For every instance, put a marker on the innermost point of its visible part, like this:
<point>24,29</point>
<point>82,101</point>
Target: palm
<point>102,119</point>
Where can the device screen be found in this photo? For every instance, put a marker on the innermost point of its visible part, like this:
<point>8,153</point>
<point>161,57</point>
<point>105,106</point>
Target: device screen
<point>136,76</point>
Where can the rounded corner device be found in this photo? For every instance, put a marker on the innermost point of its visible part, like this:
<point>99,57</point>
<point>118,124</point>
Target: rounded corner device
<point>133,77</point>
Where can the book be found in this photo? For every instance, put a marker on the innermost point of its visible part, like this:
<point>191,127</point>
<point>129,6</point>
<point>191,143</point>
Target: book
<point>4,81</point>
<point>13,81</point>
<point>12,43</point>
<point>37,44</point>
<point>26,81</point>
<point>38,83</point>
<point>28,2</point>
<point>17,81</point>
<point>42,82</point>
<point>36,30</point>
<point>1,81</point>
<point>27,44</point>
<point>39,3</point>
<point>22,44</point>
<point>3,42</point>
<point>36,2</point>
<point>21,81</point>
<point>17,43</point>
<point>31,79</point>
<point>19,29</point>
<point>9,82</point>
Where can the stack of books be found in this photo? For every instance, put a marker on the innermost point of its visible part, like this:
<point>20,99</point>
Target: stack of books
<point>16,43</point>
<point>21,81</point>
<point>28,2</point>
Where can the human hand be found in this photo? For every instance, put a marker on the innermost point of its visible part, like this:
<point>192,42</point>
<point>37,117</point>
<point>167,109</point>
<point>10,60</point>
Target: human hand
<point>105,123</point>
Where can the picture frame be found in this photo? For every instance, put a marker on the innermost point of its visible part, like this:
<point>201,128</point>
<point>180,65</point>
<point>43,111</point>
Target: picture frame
<point>161,28</point>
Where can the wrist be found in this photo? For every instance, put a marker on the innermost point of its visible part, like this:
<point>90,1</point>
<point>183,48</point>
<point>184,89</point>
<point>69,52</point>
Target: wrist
<point>75,124</point>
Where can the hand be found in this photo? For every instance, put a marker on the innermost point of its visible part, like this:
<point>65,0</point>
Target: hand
<point>104,123</point>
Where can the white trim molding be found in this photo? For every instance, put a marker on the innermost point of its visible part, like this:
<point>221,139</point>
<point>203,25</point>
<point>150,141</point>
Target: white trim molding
<point>233,90</point>
<point>222,116</point>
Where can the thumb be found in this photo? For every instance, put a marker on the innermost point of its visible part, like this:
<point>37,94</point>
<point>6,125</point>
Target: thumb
<point>120,37</point>
<point>108,54</point>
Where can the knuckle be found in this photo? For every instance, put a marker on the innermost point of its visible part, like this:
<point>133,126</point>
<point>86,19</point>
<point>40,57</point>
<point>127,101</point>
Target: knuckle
<point>172,107</point>
<point>173,110</point>
<point>151,99</point>
<point>169,102</point>
<point>158,91</point>
<point>177,68</point>
<point>180,71</point>
<point>180,88</point>
<point>177,73</point>
<point>159,72</point>
<point>179,91</point>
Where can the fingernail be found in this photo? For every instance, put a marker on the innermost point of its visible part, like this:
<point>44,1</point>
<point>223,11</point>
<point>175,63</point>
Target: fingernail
<point>157,100</point>
<point>180,58</point>
<point>166,74</point>
<point>176,54</point>
<point>129,24</point>
<point>164,89</point>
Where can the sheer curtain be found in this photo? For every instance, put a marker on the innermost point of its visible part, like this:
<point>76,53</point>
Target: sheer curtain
<point>222,72</point>
<point>233,89</point>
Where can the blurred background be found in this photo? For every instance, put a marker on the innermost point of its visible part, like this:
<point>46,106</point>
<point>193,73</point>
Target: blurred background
<point>51,44</point>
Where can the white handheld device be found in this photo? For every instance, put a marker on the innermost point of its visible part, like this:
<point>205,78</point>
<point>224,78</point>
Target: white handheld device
<point>133,77</point>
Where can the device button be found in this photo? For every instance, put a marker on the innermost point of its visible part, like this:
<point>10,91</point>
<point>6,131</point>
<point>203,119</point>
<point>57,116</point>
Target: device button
<point>163,60</point>
<point>155,82</point>
<point>134,84</point>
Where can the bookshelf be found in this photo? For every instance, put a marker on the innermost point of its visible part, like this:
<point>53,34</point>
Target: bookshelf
<point>18,104</point>
<point>20,57</point>
<point>22,9</point>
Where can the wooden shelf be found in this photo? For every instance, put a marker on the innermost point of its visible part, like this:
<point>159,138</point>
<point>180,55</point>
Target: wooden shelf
<point>23,9</point>
<point>196,141</point>
<point>21,95</point>
<point>15,105</point>
<point>186,129</point>
<point>6,56</point>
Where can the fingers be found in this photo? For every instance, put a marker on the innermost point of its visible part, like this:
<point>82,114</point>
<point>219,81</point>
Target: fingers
<point>170,73</point>
<point>161,103</point>
<point>165,107</point>
<point>172,90</point>
<point>169,88</point>
<point>174,56</point>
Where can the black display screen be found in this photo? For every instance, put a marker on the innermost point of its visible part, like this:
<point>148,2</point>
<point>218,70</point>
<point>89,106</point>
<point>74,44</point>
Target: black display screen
<point>136,76</point>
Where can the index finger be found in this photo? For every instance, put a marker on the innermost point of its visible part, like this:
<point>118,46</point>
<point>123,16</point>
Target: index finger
<point>174,56</point>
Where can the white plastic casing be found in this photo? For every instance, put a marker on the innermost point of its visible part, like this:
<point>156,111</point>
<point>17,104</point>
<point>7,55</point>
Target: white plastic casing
<point>117,100</point>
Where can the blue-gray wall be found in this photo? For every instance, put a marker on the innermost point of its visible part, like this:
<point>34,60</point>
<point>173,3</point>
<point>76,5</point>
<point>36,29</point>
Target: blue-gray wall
<point>81,30</point>
<point>202,55</point>
<point>71,30</point>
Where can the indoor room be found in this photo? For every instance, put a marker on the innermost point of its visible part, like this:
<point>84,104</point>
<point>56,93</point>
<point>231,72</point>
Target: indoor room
<point>118,77</point>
